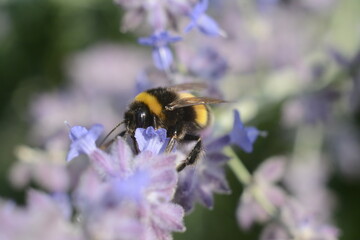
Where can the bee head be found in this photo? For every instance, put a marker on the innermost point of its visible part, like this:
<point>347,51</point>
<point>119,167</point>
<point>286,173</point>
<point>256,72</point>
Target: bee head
<point>138,116</point>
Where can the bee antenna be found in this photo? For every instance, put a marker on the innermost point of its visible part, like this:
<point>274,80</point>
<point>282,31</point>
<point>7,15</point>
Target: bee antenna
<point>112,130</point>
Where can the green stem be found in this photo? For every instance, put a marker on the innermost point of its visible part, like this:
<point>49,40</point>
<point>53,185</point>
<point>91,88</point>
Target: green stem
<point>244,176</point>
<point>238,167</point>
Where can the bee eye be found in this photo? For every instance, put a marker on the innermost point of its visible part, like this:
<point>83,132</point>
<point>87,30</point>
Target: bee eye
<point>141,119</point>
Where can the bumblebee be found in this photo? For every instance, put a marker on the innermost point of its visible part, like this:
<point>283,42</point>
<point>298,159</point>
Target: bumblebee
<point>182,114</point>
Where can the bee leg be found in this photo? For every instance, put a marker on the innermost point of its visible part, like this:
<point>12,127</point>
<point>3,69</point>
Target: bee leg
<point>106,145</point>
<point>171,143</point>
<point>155,122</point>
<point>194,154</point>
<point>136,146</point>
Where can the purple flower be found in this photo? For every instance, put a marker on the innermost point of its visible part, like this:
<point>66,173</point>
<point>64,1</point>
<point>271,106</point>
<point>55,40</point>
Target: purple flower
<point>159,14</point>
<point>208,64</point>
<point>307,179</point>
<point>249,209</point>
<point>41,218</point>
<point>151,140</point>
<point>300,224</point>
<point>200,182</point>
<point>135,199</point>
<point>83,140</point>
<point>242,136</point>
<point>47,168</point>
<point>203,22</point>
<point>265,5</point>
<point>351,66</point>
<point>162,55</point>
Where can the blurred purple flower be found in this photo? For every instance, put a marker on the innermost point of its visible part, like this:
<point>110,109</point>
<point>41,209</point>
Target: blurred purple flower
<point>351,65</point>
<point>159,14</point>
<point>199,183</point>
<point>318,106</point>
<point>265,5</point>
<point>151,140</point>
<point>47,168</point>
<point>97,69</point>
<point>307,180</point>
<point>311,108</point>
<point>344,140</point>
<point>51,109</point>
<point>300,225</point>
<point>243,137</point>
<point>208,64</point>
<point>249,210</point>
<point>42,218</point>
<point>273,231</point>
<point>160,41</point>
<point>203,22</point>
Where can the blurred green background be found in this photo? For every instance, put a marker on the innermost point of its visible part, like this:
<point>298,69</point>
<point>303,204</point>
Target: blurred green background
<point>36,37</point>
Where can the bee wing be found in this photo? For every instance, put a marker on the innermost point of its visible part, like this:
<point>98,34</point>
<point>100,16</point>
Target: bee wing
<point>191,101</point>
<point>188,86</point>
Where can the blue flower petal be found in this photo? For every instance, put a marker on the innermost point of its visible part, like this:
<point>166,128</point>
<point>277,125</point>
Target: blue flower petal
<point>208,26</point>
<point>83,140</point>
<point>151,140</point>
<point>162,57</point>
<point>200,8</point>
<point>149,41</point>
<point>159,39</point>
<point>95,131</point>
<point>73,153</point>
<point>77,132</point>
<point>205,24</point>
<point>242,136</point>
<point>252,133</point>
<point>189,27</point>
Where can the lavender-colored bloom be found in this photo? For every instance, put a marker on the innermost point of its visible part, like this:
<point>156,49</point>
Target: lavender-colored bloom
<point>273,232</point>
<point>159,14</point>
<point>300,225</point>
<point>311,108</point>
<point>151,140</point>
<point>351,66</point>
<point>265,5</point>
<point>137,192</point>
<point>97,69</point>
<point>162,54</point>
<point>306,180</point>
<point>242,136</point>
<point>45,167</point>
<point>42,218</point>
<point>318,105</point>
<point>265,177</point>
<point>83,140</point>
<point>203,22</point>
<point>159,39</point>
<point>208,64</point>
<point>206,177</point>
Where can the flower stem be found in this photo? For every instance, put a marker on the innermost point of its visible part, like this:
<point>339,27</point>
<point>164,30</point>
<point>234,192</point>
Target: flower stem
<point>244,176</point>
<point>237,166</point>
